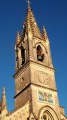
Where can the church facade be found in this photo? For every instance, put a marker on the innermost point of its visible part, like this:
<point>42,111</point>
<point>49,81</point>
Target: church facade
<point>35,88</point>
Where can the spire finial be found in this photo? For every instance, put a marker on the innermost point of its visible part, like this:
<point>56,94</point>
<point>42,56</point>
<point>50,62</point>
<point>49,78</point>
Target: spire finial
<point>28,3</point>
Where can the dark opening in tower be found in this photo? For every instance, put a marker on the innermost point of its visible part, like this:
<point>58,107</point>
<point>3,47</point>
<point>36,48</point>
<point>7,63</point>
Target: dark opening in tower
<point>22,55</point>
<point>40,55</point>
<point>44,117</point>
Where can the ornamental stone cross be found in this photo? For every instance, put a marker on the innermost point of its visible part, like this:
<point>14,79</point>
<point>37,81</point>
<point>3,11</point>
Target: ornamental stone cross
<point>28,3</point>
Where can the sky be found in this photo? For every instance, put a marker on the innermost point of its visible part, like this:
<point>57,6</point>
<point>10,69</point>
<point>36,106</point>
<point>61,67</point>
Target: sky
<point>50,13</point>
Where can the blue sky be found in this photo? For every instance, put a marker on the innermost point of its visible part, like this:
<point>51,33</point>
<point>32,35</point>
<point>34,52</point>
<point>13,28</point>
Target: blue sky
<point>53,15</point>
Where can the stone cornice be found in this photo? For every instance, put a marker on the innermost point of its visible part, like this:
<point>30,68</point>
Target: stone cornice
<point>34,85</point>
<point>32,61</point>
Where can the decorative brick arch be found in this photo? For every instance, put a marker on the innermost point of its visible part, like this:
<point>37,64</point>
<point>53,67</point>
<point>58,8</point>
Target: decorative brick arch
<point>48,111</point>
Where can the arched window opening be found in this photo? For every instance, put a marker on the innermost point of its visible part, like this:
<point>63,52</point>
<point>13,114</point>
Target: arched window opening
<point>44,117</point>
<point>40,56</point>
<point>17,59</point>
<point>22,55</point>
<point>16,54</point>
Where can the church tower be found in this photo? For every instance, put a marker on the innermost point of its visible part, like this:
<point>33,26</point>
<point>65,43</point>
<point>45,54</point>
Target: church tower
<point>34,72</point>
<point>35,88</point>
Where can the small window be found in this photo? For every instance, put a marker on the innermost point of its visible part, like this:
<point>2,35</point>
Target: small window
<point>44,117</point>
<point>22,79</point>
<point>22,55</point>
<point>40,55</point>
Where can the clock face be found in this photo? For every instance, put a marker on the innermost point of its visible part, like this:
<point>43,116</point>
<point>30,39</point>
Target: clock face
<point>43,78</point>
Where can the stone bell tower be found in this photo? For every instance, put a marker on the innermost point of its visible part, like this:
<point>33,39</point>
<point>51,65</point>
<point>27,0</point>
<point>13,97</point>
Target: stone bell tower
<point>34,72</point>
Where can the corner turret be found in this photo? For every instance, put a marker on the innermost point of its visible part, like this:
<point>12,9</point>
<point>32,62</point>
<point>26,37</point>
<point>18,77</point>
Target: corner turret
<point>3,102</point>
<point>44,34</point>
<point>17,38</point>
<point>0,108</point>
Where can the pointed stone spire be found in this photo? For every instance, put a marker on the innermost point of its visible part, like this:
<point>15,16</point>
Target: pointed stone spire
<point>17,38</point>
<point>3,101</point>
<point>0,107</point>
<point>44,34</point>
<point>31,24</point>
